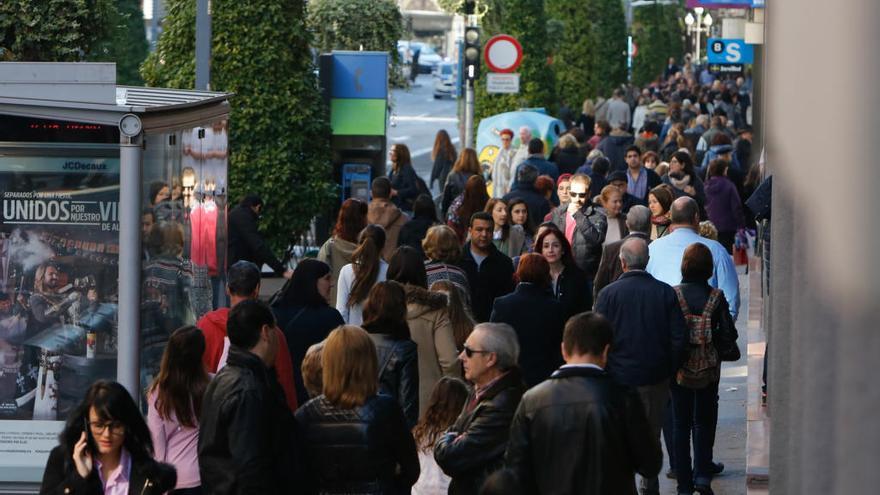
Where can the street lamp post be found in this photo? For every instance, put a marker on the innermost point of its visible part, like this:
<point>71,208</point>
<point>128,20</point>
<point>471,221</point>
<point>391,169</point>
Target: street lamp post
<point>695,26</point>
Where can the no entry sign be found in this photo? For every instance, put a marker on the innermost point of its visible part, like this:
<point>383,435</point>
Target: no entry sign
<point>503,53</point>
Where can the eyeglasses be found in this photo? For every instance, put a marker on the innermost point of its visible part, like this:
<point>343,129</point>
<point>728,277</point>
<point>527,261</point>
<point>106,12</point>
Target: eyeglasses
<point>577,195</point>
<point>116,427</point>
<point>470,352</point>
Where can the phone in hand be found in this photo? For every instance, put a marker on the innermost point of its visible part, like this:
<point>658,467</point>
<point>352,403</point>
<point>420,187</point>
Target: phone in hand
<point>90,440</point>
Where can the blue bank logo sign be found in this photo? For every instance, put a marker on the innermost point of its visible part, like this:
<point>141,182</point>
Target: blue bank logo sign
<point>730,51</point>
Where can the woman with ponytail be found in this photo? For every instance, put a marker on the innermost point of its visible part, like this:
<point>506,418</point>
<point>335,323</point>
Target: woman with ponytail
<point>357,278</point>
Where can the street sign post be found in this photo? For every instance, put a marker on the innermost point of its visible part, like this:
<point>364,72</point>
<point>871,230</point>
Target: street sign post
<point>503,53</point>
<point>729,51</point>
<point>502,83</point>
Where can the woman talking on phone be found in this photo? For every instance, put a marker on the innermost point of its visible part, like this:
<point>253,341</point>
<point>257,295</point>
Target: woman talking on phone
<point>105,448</point>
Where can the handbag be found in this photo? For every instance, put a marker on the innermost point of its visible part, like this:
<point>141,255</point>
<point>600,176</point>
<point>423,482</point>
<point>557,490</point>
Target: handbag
<point>724,337</point>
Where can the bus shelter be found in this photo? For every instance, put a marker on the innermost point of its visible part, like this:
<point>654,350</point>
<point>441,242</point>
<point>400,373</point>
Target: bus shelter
<point>112,235</point>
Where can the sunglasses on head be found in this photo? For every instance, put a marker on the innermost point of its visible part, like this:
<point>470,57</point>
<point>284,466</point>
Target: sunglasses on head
<point>470,352</point>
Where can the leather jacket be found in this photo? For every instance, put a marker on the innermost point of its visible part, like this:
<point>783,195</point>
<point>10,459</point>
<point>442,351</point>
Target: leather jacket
<point>581,433</point>
<point>147,477</point>
<point>364,450</point>
<point>246,438</point>
<point>589,234</point>
<point>474,446</point>
<point>399,373</point>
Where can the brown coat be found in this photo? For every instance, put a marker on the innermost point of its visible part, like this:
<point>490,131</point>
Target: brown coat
<point>609,266</point>
<point>430,329</point>
<point>383,212</point>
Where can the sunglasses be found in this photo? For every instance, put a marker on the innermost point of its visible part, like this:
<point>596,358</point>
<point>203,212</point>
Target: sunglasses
<point>470,352</point>
<point>577,195</point>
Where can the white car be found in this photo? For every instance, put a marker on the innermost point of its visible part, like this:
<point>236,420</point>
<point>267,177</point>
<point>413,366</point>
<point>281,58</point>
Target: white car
<point>445,79</point>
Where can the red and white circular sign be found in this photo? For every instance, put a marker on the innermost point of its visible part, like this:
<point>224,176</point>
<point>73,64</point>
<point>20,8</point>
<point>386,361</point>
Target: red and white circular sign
<point>503,53</point>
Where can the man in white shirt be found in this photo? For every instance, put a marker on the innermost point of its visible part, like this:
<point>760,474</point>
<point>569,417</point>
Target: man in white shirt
<point>502,171</point>
<point>525,135</point>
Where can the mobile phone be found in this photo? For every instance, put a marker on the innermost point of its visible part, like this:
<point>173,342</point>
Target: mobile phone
<point>90,440</point>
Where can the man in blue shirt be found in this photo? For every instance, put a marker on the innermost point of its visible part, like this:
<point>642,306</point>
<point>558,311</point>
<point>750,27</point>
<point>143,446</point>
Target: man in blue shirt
<point>667,252</point>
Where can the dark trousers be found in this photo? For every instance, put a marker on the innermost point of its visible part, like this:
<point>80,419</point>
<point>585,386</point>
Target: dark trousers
<point>727,239</point>
<point>695,411</point>
<point>669,433</point>
<point>188,491</point>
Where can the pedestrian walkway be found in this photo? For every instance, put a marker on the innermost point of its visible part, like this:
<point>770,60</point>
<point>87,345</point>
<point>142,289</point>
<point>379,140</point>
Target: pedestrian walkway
<point>730,437</point>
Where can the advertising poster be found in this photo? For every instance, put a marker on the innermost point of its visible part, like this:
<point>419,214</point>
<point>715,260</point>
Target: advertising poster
<point>58,294</point>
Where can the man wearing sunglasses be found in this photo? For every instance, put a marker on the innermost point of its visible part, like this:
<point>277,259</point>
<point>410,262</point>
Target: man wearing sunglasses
<point>584,225</point>
<point>474,446</point>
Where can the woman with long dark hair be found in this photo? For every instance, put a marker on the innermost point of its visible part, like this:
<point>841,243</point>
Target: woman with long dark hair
<point>304,316</point>
<point>442,409</point>
<point>472,200</point>
<point>569,283</point>
<point>428,320</point>
<point>460,318</point>
<point>174,403</point>
<point>510,239</point>
<point>357,278</point>
<point>464,168</point>
<point>519,215</point>
<point>105,447</point>
<point>683,178</point>
<point>355,439</point>
<point>659,201</point>
<point>443,155</point>
<point>424,217</point>
<point>385,321</point>
<point>337,251</point>
<point>404,181</point>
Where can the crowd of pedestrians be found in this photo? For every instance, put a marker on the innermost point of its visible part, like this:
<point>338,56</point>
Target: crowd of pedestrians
<point>537,336</point>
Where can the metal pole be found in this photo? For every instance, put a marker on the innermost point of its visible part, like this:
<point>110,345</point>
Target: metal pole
<point>203,44</point>
<point>469,115</point>
<point>130,184</point>
<point>699,30</point>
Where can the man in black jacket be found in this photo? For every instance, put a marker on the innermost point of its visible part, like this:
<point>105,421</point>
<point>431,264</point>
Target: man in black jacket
<point>245,240</point>
<point>584,225</point>
<point>580,432</point>
<point>649,336</point>
<point>638,222</point>
<point>246,443</point>
<point>489,271</point>
<point>474,446</point>
<point>524,189</point>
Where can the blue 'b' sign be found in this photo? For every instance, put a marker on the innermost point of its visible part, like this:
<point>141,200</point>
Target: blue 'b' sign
<point>729,51</point>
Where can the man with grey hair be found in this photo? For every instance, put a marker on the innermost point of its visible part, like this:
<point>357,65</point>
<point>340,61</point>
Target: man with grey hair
<point>474,446</point>
<point>522,153</point>
<point>638,221</point>
<point>649,336</point>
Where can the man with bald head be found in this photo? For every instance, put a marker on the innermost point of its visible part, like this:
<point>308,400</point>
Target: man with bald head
<point>649,336</point>
<point>668,251</point>
<point>522,154</point>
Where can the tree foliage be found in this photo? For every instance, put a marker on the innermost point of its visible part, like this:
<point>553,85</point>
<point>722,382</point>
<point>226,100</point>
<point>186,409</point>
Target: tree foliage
<point>572,53</point>
<point>377,26</point>
<point>608,45</point>
<point>657,29</point>
<point>279,132</point>
<point>526,21</point>
<point>75,31</point>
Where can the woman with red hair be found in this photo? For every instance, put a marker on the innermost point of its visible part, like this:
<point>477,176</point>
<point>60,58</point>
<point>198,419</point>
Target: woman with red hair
<point>338,249</point>
<point>472,200</point>
<point>536,316</point>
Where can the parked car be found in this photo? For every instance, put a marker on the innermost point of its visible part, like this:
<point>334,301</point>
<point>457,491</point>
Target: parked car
<point>445,78</point>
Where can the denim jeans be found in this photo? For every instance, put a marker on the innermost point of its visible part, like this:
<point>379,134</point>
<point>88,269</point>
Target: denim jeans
<point>695,411</point>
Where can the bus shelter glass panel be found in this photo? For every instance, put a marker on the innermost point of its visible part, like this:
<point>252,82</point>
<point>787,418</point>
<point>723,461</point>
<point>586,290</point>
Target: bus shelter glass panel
<point>184,239</point>
<point>58,280</point>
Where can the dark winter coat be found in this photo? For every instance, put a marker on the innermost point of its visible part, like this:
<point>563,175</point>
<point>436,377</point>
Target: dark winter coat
<point>586,245</point>
<point>366,450</point>
<point>573,291</point>
<point>440,170</point>
<point>399,373</point>
<point>455,183</point>
<point>582,407</point>
<point>568,160</point>
<point>614,147</point>
<point>473,447</point>
<point>246,242</point>
<point>649,329</point>
<point>303,327</point>
<point>538,319</point>
<point>413,232</point>
<point>147,477</point>
<point>405,182</point>
<point>493,278</point>
<point>544,167</point>
<point>246,439</point>
<point>723,206</point>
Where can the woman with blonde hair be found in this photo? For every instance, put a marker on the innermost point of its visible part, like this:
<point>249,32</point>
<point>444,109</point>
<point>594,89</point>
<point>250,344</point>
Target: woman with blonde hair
<point>611,200</point>
<point>464,168</point>
<point>587,118</point>
<point>354,426</point>
<point>443,251</point>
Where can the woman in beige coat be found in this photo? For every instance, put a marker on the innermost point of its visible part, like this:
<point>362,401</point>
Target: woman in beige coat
<point>428,320</point>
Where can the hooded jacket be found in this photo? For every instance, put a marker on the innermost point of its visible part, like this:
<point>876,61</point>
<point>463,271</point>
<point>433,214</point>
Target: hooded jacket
<point>383,212</point>
<point>430,329</point>
<point>336,252</point>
